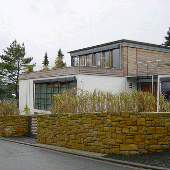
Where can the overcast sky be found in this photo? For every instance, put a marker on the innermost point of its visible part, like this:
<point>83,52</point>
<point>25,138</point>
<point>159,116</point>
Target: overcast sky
<point>47,25</point>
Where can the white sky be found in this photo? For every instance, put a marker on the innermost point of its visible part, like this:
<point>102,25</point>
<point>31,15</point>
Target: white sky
<point>47,25</point>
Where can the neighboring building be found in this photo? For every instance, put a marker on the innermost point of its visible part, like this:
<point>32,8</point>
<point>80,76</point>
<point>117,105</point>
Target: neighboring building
<point>122,65</point>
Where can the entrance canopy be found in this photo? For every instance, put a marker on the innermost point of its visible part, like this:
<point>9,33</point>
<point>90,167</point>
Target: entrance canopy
<point>156,84</point>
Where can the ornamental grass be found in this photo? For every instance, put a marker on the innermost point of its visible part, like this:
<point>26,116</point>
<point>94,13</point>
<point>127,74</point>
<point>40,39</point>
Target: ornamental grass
<point>99,101</point>
<point>8,108</point>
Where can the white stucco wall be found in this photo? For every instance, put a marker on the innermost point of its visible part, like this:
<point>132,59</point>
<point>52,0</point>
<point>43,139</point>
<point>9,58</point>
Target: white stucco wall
<point>106,83</point>
<point>113,84</point>
<point>131,84</point>
<point>26,95</point>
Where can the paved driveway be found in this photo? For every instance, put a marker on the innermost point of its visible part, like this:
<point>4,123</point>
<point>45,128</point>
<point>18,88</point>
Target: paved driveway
<point>21,157</point>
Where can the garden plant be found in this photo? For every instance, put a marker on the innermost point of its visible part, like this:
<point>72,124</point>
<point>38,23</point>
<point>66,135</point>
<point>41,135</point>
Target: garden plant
<point>98,101</point>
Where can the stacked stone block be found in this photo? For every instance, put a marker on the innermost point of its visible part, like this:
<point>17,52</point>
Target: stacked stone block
<point>13,125</point>
<point>119,133</point>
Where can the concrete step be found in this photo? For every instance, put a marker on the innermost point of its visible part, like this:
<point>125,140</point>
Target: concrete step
<point>34,121</point>
<point>34,126</point>
<point>34,132</point>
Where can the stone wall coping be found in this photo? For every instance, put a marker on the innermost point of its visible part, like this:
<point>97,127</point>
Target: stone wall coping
<point>115,113</point>
<point>14,115</point>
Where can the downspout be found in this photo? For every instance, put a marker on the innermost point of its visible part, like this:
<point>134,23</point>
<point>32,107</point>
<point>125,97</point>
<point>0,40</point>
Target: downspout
<point>79,63</point>
<point>100,58</point>
<point>136,62</point>
<point>33,95</point>
<point>85,60</point>
<point>93,61</point>
<point>152,84</point>
<point>158,93</point>
<point>26,92</point>
<point>120,54</point>
<point>127,61</point>
<point>110,58</point>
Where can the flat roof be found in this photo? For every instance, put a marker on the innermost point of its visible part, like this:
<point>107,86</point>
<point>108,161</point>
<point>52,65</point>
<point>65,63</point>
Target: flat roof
<point>123,42</point>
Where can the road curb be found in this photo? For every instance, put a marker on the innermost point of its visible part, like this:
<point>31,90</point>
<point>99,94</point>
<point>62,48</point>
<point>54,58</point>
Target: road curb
<point>50,147</point>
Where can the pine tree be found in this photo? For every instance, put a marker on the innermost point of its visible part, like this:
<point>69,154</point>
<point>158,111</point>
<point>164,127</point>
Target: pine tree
<point>167,42</point>
<point>59,60</point>
<point>12,63</point>
<point>29,68</point>
<point>45,62</point>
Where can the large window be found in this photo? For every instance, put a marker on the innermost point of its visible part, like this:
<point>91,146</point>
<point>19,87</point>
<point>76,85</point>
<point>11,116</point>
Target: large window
<point>76,61</point>
<point>82,60</point>
<point>115,58</point>
<point>89,60</point>
<point>97,57</point>
<point>108,59</point>
<point>44,91</point>
<point>165,87</point>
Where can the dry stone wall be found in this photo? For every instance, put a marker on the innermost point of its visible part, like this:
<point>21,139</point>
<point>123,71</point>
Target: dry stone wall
<point>13,125</point>
<point>119,133</point>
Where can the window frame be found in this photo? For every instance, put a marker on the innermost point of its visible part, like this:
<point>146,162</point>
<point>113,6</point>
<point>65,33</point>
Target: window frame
<point>98,59</point>
<point>41,101</point>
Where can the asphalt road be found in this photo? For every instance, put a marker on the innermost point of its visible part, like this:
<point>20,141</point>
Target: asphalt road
<point>21,157</point>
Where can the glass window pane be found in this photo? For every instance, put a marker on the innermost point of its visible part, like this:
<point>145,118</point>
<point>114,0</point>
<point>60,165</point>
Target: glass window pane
<point>37,85</point>
<point>115,58</point>
<point>37,90</point>
<point>42,107</point>
<point>37,95</point>
<point>55,90</point>
<point>139,86</point>
<point>36,100</point>
<point>82,61</point>
<point>43,90</point>
<point>72,61</point>
<point>42,95</point>
<point>36,106</point>
<point>76,61</point>
<point>165,87</point>
<point>42,101</point>
<point>107,59</point>
<point>49,90</point>
<point>89,60</point>
<point>72,85</point>
<point>48,101</point>
<point>64,84</point>
<point>56,84</point>
<point>49,96</point>
<point>63,88</point>
<point>44,85</point>
<point>98,59</point>
<point>48,106</point>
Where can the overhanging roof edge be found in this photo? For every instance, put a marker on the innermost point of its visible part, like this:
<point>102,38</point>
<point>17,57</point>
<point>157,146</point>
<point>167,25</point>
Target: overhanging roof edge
<point>125,42</point>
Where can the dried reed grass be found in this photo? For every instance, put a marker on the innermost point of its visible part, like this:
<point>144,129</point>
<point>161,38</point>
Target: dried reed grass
<point>98,101</point>
<point>8,108</point>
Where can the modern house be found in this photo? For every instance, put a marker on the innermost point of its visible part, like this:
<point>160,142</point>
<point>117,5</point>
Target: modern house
<point>122,65</point>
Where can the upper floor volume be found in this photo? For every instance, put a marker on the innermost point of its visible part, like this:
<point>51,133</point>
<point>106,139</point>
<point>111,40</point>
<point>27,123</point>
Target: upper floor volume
<point>133,58</point>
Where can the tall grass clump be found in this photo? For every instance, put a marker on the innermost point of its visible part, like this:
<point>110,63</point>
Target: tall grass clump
<point>8,108</point>
<point>164,105</point>
<point>98,101</point>
<point>65,102</point>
